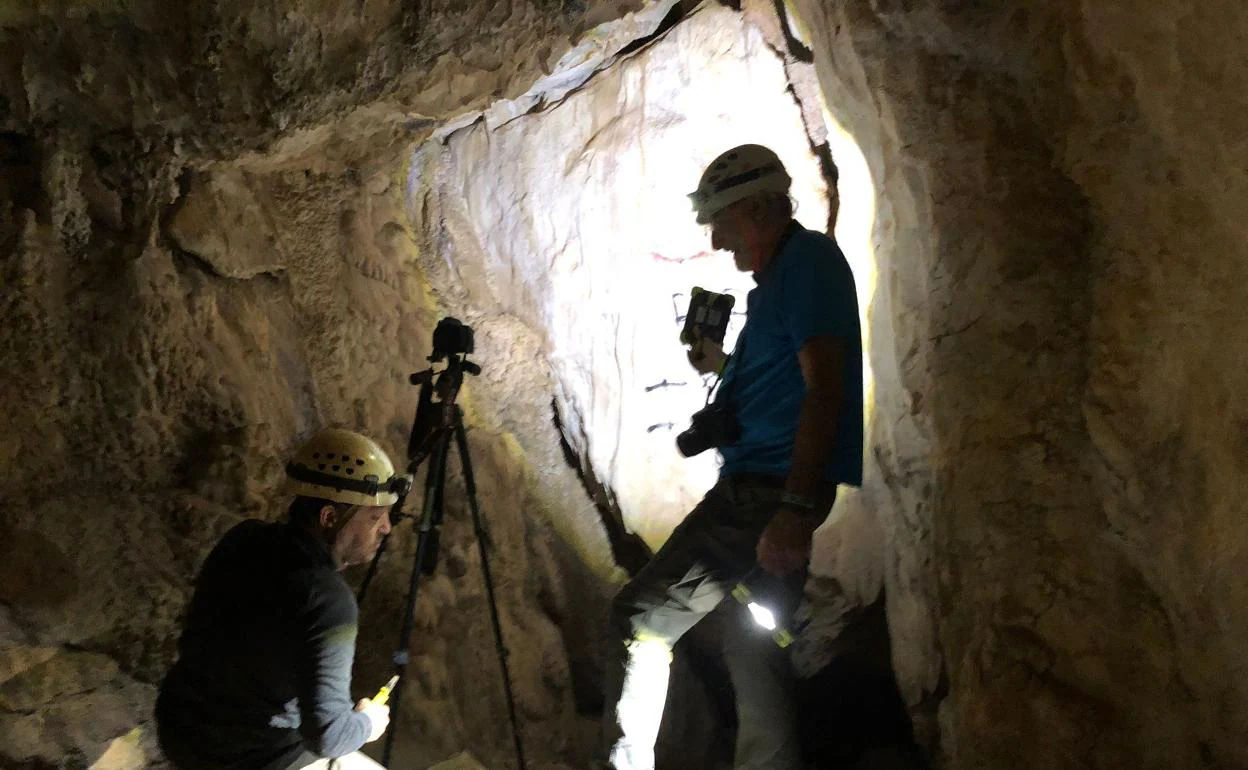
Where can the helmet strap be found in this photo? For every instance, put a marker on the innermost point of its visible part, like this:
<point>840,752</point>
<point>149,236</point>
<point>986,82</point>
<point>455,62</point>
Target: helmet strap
<point>340,520</point>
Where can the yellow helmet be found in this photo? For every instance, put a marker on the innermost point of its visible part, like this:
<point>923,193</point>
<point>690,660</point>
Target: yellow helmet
<point>345,467</point>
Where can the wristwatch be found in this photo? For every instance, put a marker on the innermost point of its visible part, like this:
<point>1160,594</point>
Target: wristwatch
<point>803,504</point>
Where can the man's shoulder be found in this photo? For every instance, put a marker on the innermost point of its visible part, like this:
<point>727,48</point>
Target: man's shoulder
<point>246,540</point>
<point>324,596</point>
<point>249,529</point>
<point>285,553</point>
<point>817,244</point>
<point>813,258</point>
<point>807,236</point>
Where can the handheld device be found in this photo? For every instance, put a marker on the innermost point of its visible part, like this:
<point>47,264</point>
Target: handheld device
<point>709,313</point>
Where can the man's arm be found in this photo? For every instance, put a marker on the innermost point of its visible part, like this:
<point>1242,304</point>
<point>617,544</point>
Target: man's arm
<point>820,311</point>
<point>822,360</point>
<point>785,543</point>
<point>329,722</point>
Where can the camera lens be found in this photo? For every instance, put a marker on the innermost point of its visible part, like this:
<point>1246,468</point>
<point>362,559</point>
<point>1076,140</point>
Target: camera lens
<point>691,443</point>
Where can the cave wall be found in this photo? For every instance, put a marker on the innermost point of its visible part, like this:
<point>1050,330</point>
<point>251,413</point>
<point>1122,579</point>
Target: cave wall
<point>223,78</point>
<point>199,266</point>
<point>173,327</point>
<point>1059,261</point>
<point>157,382</point>
<point>204,261</point>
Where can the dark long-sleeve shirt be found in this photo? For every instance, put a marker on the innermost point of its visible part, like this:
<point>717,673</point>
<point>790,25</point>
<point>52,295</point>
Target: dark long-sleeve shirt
<point>264,666</point>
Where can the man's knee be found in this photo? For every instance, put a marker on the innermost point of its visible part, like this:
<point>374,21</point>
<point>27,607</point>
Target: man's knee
<point>627,608</point>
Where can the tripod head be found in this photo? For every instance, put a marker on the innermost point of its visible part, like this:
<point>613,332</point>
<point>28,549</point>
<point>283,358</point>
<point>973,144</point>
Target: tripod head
<point>451,338</point>
<point>452,342</point>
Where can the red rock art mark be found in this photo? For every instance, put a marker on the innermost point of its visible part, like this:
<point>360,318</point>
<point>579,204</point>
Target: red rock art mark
<point>657,257</point>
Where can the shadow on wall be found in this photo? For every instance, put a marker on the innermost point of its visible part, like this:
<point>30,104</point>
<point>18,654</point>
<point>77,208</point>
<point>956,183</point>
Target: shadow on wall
<point>850,713</point>
<point>35,573</point>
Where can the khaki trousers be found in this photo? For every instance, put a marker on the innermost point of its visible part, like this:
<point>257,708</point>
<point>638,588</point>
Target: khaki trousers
<point>696,569</point>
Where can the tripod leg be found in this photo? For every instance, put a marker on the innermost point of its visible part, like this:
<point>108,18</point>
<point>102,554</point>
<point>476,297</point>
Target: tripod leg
<point>427,534</point>
<point>470,484</point>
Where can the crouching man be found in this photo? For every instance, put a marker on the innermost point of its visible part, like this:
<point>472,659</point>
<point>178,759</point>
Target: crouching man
<point>793,390</point>
<point>263,677</point>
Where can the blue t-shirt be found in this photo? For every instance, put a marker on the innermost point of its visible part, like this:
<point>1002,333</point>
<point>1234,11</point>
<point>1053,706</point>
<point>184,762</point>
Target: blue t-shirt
<point>806,291</point>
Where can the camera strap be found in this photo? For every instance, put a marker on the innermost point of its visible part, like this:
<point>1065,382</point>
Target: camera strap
<point>716,393</point>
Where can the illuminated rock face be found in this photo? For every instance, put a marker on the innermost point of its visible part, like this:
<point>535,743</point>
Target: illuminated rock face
<point>576,222</point>
<point>209,217</point>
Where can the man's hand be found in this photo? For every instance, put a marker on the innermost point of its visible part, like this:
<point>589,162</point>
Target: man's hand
<point>785,543</point>
<point>707,356</point>
<point>378,715</point>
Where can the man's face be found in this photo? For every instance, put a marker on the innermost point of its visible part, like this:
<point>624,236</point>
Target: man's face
<point>731,231</point>
<point>358,540</point>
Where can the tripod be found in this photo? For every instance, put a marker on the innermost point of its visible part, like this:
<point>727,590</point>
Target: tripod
<point>437,423</point>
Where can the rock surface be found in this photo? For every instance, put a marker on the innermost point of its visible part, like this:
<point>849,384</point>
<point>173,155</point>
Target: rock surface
<point>209,217</point>
<point>220,78</point>
<point>1058,266</point>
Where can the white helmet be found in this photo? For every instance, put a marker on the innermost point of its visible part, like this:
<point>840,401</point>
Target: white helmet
<point>737,174</point>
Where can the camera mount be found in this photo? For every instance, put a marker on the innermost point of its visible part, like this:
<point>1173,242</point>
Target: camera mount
<point>436,425</point>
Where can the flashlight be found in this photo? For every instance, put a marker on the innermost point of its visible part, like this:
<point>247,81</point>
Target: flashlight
<point>762,615</point>
<point>383,695</point>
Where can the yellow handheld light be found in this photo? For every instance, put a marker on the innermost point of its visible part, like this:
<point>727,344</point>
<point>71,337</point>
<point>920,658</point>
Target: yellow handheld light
<point>383,695</point>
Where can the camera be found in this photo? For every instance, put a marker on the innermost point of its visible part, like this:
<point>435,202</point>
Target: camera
<point>715,425</point>
<point>451,337</point>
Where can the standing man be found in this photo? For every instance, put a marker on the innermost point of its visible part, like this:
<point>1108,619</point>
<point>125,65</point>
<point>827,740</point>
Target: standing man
<point>264,671</point>
<point>794,387</point>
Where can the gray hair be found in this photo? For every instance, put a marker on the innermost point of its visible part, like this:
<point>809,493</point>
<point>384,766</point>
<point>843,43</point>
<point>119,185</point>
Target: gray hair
<point>772,206</point>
